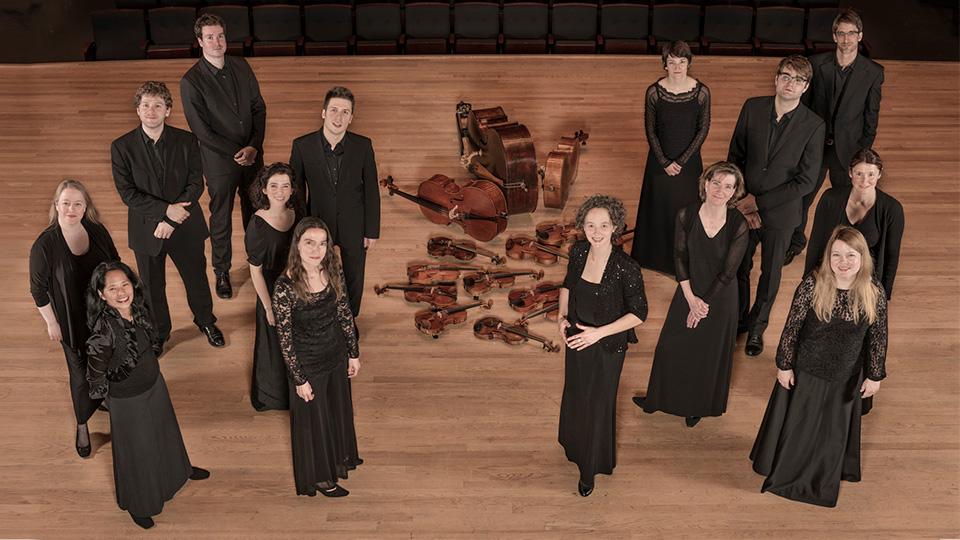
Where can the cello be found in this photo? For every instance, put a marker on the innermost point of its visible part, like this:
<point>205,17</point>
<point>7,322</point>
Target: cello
<point>478,206</point>
<point>560,170</point>
<point>434,322</point>
<point>493,328</point>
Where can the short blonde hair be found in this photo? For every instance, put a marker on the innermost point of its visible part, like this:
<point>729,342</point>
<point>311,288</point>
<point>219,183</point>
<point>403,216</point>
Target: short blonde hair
<point>723,167</point>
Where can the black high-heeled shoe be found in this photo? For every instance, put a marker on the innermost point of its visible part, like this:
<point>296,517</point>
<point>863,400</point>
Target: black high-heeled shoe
<point>692,420</point>
<point>196,473</point>
<point>144,522</point>
<point>335,491</point>
<point>583,489</point>
<point>83,451</point>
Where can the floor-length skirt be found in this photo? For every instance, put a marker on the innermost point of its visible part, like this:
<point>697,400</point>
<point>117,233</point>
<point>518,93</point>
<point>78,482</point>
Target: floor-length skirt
<point>322,432</point>
<point>83,406</point>
<point>269,387</point>
<point>588,409</point>
<point>809,439</point>
<point>150,462</point>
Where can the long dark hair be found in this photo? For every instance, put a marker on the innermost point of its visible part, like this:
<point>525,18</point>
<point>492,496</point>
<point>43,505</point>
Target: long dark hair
<point>259,199</point>
<point>97,306</point>
<point>330,262</point>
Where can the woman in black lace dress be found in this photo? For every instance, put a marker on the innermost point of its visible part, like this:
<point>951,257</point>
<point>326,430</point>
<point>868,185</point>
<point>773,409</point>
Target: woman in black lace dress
<point>267,240</point>
<point>150,463</point>
<point>677,119</point>
<point>601,302</point>
<point>809,439</point>
<point>693,361</point>
<point>319,344</point>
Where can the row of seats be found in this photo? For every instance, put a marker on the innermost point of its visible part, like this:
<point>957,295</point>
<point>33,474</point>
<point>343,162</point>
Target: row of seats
<point>472,27</point>
<point>149,4</point>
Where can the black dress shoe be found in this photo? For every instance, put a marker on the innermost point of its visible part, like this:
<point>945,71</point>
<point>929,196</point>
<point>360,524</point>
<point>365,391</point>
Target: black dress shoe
<point>692,420</point>
<point>144,522</point>
<point>583,489</point>
<point>754,344</point>
<point>83,451</point>
<point>196,473</point>
<point>639,401</point>
<point>214,335</point>
<point>224,289</point>
<point>792,252</point>
<point>335,491</point>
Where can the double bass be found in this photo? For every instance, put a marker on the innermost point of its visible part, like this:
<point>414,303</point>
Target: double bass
<point>496,149</point>
<point>560,170</point>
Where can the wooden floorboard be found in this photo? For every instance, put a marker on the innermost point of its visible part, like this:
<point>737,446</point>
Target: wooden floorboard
<point>459,436</point>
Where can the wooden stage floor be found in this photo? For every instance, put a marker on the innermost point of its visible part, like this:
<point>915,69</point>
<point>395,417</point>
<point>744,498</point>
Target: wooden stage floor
<point>459,436</point>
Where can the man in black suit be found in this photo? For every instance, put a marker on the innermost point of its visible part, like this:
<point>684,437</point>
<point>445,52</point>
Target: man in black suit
<point>845,92</point>
<point>222,103</point>
<point>156,169</point>
<point>339,172</point>
<point>778,144</point>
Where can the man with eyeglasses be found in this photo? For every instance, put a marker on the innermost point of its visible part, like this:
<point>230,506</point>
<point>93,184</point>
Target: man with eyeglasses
<point>845,92</point>
<point>778,144</point>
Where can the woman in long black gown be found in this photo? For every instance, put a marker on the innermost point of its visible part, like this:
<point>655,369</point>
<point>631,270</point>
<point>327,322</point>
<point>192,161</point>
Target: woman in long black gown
<point>677,119</point>
<point>320,349</point>
<point>150,463</point>
<point>601,302</point>
<point>267,239</point>
<point>693,361</point>
<point>809,439</point>
<point>877,215</point>
<point>61,262</point>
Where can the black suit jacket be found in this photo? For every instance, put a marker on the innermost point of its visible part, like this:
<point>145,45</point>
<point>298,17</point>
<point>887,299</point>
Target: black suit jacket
<point>781,179</point>
<point>222,128</point>
<point>858,111</point>
<point>147,196</point>
<point>350,207</point>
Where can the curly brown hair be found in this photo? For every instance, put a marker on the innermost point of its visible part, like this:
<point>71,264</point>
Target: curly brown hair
<point>153,88</point>
<point>259,199</point>
<point>613,206</point>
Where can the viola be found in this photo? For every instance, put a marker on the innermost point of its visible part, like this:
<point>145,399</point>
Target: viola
<point>437,293</point>
<point>556,233</point>
<point>424,272</point>
<point>500,151</point>
<point>527,299</point>
<point>464,250</point>
<point>435,321</point>
<point>560,170</point>
<point>550,311</point>
<point>493,328</point>
<point>477,206</point>
<point>477,283</point>
<point>522,246</point>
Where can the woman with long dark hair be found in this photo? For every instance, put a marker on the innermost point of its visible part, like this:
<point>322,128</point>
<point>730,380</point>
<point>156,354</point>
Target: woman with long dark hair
<point>61,262</point>
<point>150,463</point>
<point>267,239</point>
<point>320,348</point>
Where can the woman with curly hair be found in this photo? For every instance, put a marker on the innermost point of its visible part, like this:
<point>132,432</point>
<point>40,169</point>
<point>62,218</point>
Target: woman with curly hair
<point>601,302</point>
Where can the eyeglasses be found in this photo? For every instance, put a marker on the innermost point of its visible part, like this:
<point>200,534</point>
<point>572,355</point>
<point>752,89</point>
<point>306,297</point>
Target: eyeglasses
<point>786,78</point>
<point>850,34</point>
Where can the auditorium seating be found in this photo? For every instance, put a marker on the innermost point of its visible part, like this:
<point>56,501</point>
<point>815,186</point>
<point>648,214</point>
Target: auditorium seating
<point>276,30</point>
<point>171,32</point>
<point>624,28</point>
<point>118,34</point>
<point>676,22</point>
<point>328,29</point>
<point>428,27</point>
<point>574,28</point>
<point>727,29</point>
<point>779,31</point>
<point>237,19</point>
<point>476,28</point>
<point>379,28</point>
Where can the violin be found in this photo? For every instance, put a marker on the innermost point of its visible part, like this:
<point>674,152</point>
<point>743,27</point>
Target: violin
<point>464,250</point>
<point>550,311</point>
<point>437,293</point>
<point>560,170</point>
<point>435,321</point>
<point>493,328</point>
<point>556,233</point>
<point>523,300</point>
<point>423,273</point>
<point>477,206</point>
<point>522,246</point>
<point>477,283</point>
<point>500,151</point>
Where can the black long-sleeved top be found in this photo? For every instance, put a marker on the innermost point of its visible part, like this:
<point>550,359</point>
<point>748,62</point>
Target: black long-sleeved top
<point>620,292</point>
<point>733,234</point>
<point>121,357</point>
<point>656,127</point>
<point>882,227</point>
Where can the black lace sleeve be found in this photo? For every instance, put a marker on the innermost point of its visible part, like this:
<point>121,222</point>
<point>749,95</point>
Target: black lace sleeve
<point>345,317</point>
<point>283,299</point>
<point>735,250</point>
<point>703,125</point>
<point>650,123</point>
<point>634,298</point>
<point>802,303</point>
<point>574,265</point>
<point>877,338</point>
<point>681,258</point>
<point>99,354</point>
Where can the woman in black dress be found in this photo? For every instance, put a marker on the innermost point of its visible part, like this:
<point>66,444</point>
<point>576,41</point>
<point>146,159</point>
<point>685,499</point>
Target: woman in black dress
<point>677,119</point>
<point>267,240</point>
<point>691,369</point>
<point>809,439</point>
<point>150,463</point>
<point>61,262</point>
<point>319,344</point>
<point>601,302</point>
<point>877,215</point>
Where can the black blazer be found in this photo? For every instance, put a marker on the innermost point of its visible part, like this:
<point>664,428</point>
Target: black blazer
<point>621,292</point>
<point>858,112</point>
<point>351,209</point>
<point>779,180</point>
<point>888,215</point>
<point>222,128</point>
<point>147,196</point>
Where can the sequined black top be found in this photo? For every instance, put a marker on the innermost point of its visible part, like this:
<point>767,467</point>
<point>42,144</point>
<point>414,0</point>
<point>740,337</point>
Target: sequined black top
<point>831,350</point>
<point>121,357</point>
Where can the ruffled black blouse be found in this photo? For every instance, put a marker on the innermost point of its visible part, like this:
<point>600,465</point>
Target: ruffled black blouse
<point>121,357</point>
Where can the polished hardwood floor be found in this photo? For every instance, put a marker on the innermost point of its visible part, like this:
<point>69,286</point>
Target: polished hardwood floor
<point>458,435</point>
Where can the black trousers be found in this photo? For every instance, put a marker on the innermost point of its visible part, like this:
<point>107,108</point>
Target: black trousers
<point>83,406</point>
<point>353,257</point>
<point>775,243</point>
<point>839,177</point>
<point>187,255</point>
<point>223,188</point>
